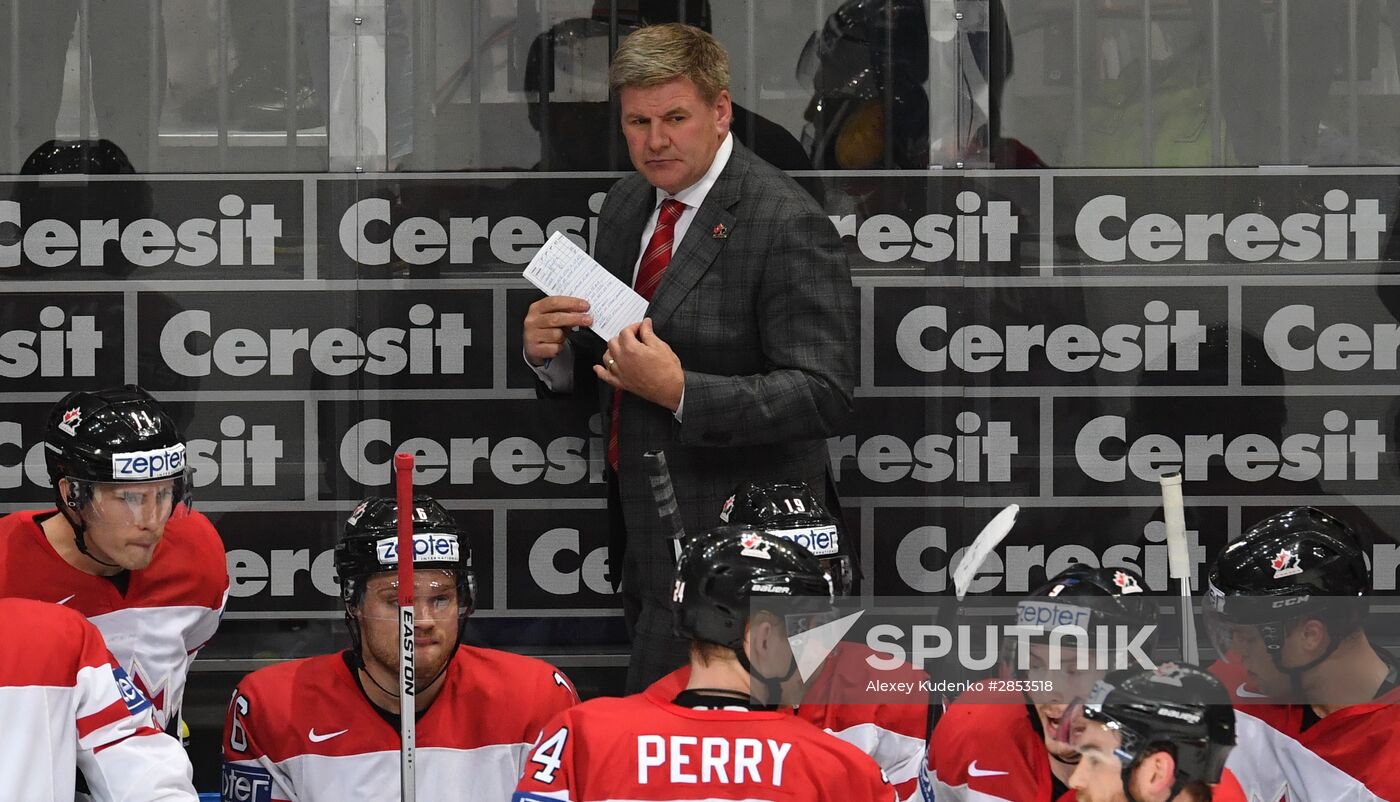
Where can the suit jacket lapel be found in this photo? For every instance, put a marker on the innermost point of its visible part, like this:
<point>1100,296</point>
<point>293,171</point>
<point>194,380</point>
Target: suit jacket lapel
<point>699,249</point>
<point>620,244</point>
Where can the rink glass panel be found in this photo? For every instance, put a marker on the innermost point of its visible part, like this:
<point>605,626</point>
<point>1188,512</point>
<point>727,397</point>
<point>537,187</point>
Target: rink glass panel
<point>317,251</point>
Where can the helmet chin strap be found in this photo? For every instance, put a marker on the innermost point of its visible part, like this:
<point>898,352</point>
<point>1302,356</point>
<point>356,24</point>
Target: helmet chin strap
<point>1295,673</point>
<point>79,530</point>
<point>772,686</point>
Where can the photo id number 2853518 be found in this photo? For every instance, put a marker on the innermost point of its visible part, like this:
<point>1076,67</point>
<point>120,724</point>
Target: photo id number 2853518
<point>1021,685</point>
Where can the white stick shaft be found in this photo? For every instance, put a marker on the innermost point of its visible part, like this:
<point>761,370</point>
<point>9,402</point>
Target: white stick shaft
<point>1174,515</point>
<point>1190,652</point>
<point>407,706</point>
<point>1179,562</point>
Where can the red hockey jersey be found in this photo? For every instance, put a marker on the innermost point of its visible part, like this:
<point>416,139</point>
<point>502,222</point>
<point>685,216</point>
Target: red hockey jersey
<point>1228,789</point>
<point>1233,675</point>
<point>891,727</point>
<point>304,731</point>
<point>642,748</point>
<point>1342,758</point>
<point>170,610</point>
<point>986,749</point>
<point>66,705</point>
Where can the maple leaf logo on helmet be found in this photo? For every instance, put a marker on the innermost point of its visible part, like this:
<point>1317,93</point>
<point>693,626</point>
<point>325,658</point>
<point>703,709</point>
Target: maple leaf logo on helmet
<point>754,546</point>
<point>1126,582</point>
<point>70,421</point>
<point>1285,563</point>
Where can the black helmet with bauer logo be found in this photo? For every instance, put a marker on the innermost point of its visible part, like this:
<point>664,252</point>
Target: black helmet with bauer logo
<point>724,569</point>
<point>1175,707</point>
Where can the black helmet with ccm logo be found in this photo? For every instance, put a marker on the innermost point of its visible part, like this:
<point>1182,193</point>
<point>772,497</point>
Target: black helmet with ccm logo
<point>1301,563</point>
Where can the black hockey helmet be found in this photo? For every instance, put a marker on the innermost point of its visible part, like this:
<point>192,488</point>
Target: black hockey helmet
<point>724,569</point>
<point>1298,564</point>
<point>116,435</point>
<point>790,511</point>
<point>1091,599</point>
<point>866,67</point>
<point>1175,707</point>
<point>369,546</point>
<point>1098,596</point>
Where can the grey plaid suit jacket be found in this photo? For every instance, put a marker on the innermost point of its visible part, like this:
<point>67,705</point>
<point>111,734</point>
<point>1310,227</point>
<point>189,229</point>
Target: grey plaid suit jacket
<point>764,319</point>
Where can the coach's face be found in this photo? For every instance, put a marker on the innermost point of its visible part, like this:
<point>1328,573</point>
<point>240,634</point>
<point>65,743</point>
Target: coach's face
<point>672,132</point>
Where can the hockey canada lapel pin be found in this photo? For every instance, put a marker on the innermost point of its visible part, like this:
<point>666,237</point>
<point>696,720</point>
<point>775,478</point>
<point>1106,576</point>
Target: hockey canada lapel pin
<point>720,231</point>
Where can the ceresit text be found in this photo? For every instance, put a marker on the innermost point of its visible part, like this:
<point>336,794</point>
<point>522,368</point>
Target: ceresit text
<point>190,347</point>
<point>1349,450</point>
<point>245,235</point>
<point>1350,230</point>
<point>1167,340</point>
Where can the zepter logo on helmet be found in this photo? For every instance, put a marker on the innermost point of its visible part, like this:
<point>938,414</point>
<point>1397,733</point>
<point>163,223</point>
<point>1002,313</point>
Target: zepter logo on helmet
<point>369,545</point>
<point>1300,564</point>
<point>1069,632</point>
<point>789,510</point>
<point>114,456</point>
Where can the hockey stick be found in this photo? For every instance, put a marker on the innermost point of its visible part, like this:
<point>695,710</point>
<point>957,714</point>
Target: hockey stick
<point>986,542</point>
<point>664,494</point>
<point>1179,562</point>
<point>403,469</point>
<point>982,547</point>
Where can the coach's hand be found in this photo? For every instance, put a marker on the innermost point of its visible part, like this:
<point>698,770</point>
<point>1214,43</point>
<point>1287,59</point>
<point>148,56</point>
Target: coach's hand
<point>640,362</point>
<point>548,322</point>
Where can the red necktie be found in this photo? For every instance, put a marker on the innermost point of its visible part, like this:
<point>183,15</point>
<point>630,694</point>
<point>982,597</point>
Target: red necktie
<point>654,262</point>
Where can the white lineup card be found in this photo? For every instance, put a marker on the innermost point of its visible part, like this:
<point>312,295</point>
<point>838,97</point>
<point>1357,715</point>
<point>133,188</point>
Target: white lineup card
<point>563,268</point>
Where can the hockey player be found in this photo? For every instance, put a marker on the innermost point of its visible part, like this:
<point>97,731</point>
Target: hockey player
<point>999,743</point>
<point>1154,735</point>
<point>892,728</point>
<point>123,547</point>
<point>717,739</point>
<point>67,706</point>
<point>1289,598</point>
<point>327,728</point>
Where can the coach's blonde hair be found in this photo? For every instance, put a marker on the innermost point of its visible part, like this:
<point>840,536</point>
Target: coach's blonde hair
<point>659,53</point>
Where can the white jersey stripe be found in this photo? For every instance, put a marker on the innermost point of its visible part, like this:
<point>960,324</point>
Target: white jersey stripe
<point>1270,765</point>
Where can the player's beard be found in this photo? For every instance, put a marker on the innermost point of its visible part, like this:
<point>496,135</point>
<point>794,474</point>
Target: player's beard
<point>381,654</point>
